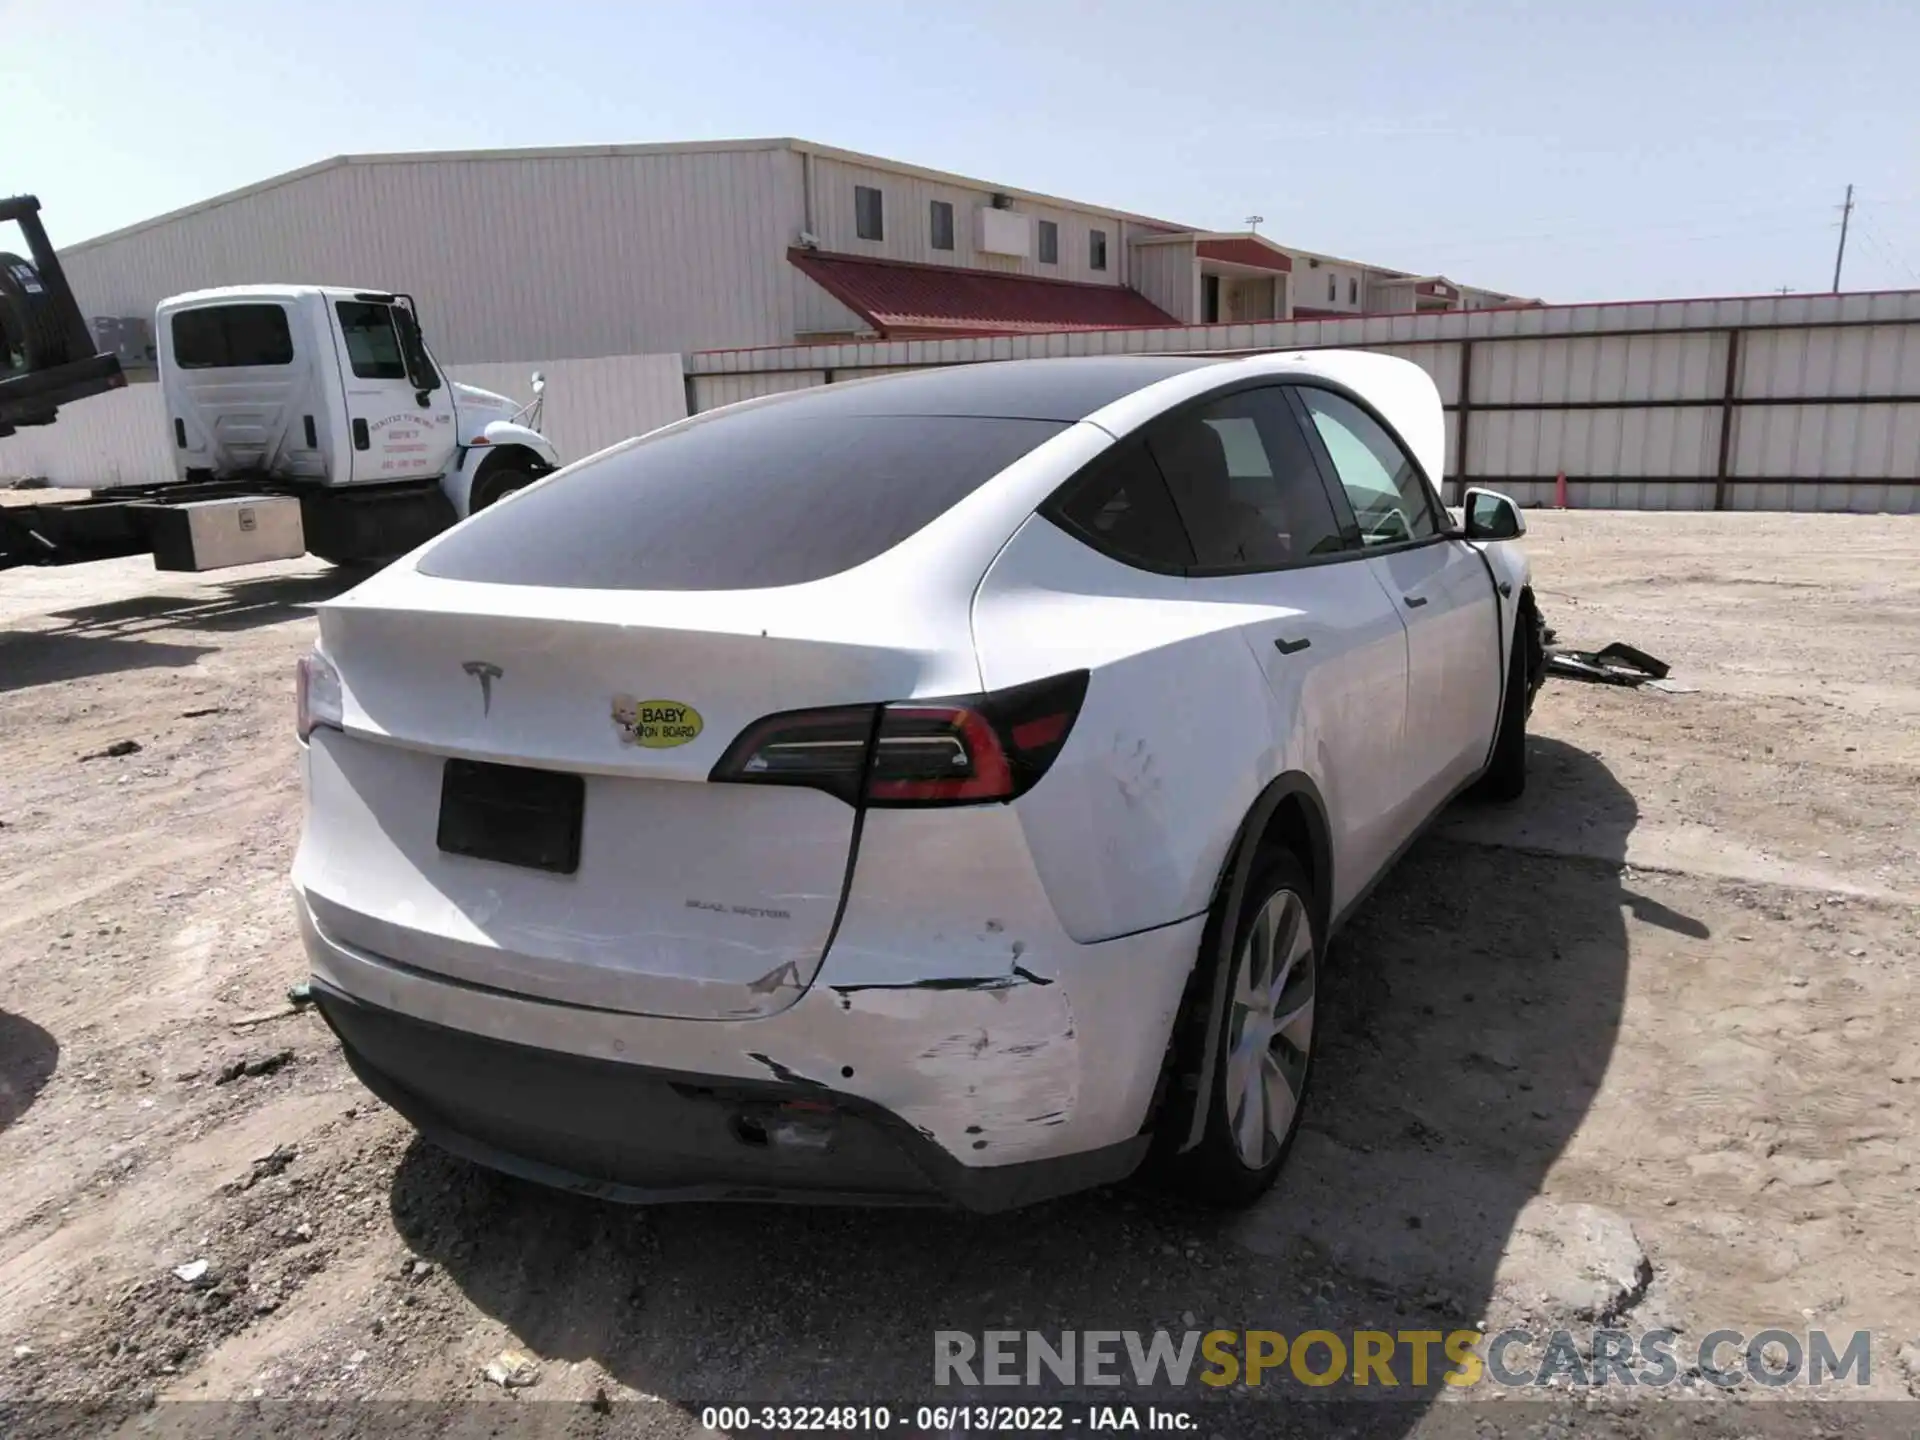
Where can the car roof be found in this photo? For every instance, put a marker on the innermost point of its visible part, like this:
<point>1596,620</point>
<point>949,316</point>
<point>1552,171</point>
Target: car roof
<point>1117,393</point>
<point>1064,390</point>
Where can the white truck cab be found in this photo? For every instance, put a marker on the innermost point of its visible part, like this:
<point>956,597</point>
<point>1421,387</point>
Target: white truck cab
<point>332,394</point>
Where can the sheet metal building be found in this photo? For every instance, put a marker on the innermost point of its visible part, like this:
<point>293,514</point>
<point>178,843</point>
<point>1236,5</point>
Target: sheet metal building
<point>650,249</point>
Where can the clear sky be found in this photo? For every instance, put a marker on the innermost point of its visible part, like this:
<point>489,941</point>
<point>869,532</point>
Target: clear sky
<point>1573,150</point>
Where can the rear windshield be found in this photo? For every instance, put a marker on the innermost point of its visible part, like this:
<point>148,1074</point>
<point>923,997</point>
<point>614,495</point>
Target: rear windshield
<point>739,502</point>
<point>229,336</point>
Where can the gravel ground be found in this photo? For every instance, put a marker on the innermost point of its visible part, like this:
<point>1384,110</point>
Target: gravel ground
<point>1642,1045</point>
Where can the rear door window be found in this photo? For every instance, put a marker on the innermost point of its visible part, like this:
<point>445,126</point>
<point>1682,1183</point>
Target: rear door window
<point>1244,481</point>
<point>373,345</point>
<point>738,502</point>
<point>222,337</point>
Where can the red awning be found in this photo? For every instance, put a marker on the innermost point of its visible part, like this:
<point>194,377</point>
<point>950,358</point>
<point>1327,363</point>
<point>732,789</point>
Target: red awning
<point>1244,250</point>
<point>902,300</point>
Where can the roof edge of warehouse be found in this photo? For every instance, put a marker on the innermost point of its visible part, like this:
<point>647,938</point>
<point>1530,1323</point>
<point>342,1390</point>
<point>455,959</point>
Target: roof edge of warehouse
<point>570,152</point>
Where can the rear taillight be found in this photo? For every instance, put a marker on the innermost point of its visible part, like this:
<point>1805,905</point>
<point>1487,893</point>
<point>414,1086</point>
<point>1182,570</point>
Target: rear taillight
<point>968,750</point>
<point>316,694</point>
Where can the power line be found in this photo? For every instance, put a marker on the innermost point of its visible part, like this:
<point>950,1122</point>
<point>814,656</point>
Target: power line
<point>1882,247</point>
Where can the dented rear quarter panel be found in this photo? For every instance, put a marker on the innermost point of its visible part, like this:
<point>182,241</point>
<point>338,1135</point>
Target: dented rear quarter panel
<point>1131,826</point>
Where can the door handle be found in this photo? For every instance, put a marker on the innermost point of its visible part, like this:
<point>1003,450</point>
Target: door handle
<point>1414,602</point>
<point>1290,647</point>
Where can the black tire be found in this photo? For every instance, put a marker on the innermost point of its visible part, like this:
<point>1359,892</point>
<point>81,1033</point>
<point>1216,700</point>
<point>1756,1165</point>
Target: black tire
<point>1266,1055</point>
<point>31,336</point>
<point>496,481</point>
<point>1506,777</point>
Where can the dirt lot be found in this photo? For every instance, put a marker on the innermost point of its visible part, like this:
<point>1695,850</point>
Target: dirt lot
<point>1680,982</point>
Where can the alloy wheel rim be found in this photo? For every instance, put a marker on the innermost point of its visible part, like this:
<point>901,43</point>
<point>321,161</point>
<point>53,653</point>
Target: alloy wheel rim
<point>1270,1029</point>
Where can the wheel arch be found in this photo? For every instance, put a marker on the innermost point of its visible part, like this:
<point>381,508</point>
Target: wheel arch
<point>1289,814</point>
<point>481,463</point>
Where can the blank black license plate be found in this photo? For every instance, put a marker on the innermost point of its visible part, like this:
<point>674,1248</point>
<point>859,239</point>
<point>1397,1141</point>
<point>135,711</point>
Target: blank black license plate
<point>512,815</point>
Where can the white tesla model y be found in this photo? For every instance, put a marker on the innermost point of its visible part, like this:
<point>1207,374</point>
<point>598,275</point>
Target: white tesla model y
<point>932,788</point>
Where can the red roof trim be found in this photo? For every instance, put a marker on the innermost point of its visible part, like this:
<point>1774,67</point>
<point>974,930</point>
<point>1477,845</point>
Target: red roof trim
<point>1244,251</point>
<point>1302,316</point>
<point>798,254</point>
<point>903,299</point>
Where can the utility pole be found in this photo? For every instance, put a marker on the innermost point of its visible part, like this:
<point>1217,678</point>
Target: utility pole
<point>1846,212</point>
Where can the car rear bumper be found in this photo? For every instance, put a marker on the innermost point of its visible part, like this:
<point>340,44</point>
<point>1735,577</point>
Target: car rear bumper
<point>987,1093</point>
<point>640,1135</point>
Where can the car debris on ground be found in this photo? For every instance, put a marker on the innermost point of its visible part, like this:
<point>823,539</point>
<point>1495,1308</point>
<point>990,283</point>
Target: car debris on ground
<point>1615,664</point>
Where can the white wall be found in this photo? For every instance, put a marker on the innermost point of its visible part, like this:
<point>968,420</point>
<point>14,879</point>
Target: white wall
<point>818,313</point>
<point>1169,276</point>
<point>1310,286</point>
<point>569,254</point>
<point>907,199</point>
<point>121,438</point>
<point>592,404</point>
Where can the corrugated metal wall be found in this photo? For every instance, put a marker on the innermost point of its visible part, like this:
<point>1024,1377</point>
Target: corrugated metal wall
<point>907,231</point>
<point>1778,402</point>
<point>569,255</point>
<point>120,438</point>
<point>1169,276</point>
<point>592,404</point>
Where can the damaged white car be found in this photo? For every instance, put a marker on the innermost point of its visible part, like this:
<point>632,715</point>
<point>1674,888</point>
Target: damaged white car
<point>937,788</point>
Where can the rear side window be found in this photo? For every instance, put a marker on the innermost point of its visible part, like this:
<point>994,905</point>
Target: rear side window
<point>373,345</point>
<point>1121,506</point>
<point>222,337</point>
<point>1245,483</point>
<point>738,502</point>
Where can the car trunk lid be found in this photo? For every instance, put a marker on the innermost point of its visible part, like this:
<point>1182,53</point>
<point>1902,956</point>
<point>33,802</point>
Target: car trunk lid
<point>439,817</point>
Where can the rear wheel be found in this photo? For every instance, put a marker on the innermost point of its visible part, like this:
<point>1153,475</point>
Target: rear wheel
<point>1259,1083</point>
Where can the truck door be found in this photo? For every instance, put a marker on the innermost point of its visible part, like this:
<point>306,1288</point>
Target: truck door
<point>399,417</point>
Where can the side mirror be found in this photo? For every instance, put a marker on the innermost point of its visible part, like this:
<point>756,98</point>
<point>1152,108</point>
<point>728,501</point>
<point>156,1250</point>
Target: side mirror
<point>413,354</point>
<point>1492,516</point>
<point>539,383</point>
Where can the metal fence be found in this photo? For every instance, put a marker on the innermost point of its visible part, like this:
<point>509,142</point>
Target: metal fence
<point>1798,402</point>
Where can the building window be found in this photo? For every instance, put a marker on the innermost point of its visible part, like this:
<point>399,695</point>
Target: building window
<point>1049,243</point>
<point>941,218</point>
<point>868,223</point>
<point>1333,288</point>
<point>1353,292</point>
<point>1096,249</point>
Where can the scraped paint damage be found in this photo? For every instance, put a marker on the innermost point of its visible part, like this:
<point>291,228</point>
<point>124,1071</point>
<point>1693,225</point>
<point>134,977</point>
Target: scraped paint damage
<point>994,1062</point>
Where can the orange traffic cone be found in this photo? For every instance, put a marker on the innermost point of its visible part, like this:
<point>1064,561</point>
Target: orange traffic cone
<point>1560,491</point>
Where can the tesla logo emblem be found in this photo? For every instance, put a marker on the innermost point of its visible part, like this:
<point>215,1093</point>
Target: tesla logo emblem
<point>486,674</point>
